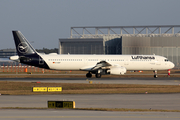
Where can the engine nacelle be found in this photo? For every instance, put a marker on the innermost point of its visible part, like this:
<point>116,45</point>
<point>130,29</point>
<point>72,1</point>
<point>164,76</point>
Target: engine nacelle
<point>117,70</point>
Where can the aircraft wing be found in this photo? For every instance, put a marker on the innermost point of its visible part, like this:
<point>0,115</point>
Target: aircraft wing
<point>100,65</point>
<point>96,67</point>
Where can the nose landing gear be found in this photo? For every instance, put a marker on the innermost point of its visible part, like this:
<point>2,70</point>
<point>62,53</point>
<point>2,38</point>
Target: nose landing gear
<point>155,74</point>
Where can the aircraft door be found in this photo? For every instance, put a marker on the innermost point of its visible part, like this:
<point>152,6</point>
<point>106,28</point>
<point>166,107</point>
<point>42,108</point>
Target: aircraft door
<point>85,60</point>
<point>126,62</point>
<point>158,62</point>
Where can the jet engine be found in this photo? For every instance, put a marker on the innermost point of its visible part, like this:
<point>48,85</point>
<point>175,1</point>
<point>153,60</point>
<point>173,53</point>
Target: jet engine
<point>120,70</point>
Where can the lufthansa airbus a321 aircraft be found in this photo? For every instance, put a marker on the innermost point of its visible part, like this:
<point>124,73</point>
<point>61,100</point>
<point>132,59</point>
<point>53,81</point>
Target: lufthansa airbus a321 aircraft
<point>94,64</point>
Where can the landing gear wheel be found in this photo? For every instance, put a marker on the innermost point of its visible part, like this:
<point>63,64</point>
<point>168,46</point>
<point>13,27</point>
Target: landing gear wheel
<point>88,75</point>
<point>98,75</point>
<point>155,76</point>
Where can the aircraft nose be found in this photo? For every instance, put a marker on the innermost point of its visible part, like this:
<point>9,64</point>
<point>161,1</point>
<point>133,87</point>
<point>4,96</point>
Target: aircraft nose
<point>172,65</point>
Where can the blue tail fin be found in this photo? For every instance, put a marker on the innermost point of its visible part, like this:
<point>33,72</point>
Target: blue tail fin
<point>23,47</point>
<point>27,54</point>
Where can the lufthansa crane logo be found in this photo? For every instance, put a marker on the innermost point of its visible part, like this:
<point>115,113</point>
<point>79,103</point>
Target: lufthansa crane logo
<point>23,47</point>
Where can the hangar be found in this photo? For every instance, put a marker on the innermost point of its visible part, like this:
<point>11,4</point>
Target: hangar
<point>161,40</point>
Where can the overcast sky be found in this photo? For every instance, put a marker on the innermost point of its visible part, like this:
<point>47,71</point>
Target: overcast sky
<point>45,21</point>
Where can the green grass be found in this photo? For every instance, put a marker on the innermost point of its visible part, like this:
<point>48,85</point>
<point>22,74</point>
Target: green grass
<point>25,88</point>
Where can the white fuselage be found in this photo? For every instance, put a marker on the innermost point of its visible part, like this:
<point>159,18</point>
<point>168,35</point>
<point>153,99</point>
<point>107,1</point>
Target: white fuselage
<point>85,62</point>
<point>94,64</point>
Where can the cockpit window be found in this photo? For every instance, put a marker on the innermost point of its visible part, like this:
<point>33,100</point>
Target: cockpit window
<point>166,60</point>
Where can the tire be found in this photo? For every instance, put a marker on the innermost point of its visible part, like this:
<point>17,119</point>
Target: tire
<point>155,76</point>
<point>88,75</point>
<point>98,75</point>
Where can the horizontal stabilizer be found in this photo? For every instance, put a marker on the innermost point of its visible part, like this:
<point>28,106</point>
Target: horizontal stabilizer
<point>14,58</point>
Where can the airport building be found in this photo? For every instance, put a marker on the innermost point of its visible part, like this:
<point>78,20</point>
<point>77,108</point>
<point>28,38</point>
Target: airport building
<point>6,53</point>
<point>161,40</point>
<point>4,57</point>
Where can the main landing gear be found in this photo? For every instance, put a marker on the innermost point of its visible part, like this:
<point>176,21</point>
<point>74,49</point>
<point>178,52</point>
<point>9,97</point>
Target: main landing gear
<point>155,74</point>
<point>89,75</point>
<point>98,75</point>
